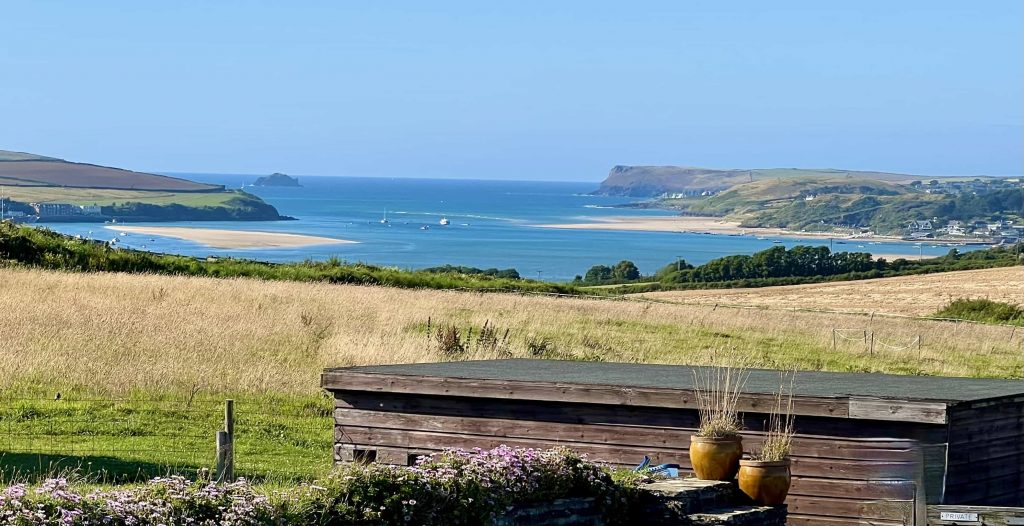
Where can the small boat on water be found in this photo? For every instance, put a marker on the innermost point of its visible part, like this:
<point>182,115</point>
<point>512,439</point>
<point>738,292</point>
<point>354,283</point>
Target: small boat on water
<point>776,241</point>
<point>425,227</point>
<point>384,220</point>
<point>444,221</point>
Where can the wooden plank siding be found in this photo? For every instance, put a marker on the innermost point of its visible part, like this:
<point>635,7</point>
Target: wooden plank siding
<point>986,453</point>
<point>869,448</point>
<point>852,478</point>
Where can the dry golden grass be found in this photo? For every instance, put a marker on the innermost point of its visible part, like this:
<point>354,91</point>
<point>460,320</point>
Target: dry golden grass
<point>115,333</point>
<point>909,295</point>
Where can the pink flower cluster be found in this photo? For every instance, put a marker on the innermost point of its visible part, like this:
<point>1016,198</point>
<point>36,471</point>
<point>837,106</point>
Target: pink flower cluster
<point>451,488</point>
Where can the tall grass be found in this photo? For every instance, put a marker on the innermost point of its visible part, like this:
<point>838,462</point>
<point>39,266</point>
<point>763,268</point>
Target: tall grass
<point>780,430</point>
<point>717,391</point>
<point>121,333</point>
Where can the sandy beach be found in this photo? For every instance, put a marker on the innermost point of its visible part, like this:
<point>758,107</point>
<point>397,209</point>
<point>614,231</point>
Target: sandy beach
<point>228,239</point>
<point>700,225</point>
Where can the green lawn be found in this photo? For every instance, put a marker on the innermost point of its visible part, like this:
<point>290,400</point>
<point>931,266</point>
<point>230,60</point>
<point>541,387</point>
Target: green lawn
<point>277,440</point>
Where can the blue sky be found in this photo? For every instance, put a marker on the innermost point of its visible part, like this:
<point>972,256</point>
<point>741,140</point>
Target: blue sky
<point>528,90</point>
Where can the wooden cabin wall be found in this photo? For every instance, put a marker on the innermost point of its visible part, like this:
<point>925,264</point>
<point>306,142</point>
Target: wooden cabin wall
<point>986,453</point>
<point>838,480</point>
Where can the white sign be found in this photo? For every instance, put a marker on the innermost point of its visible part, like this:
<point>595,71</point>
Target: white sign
<point>953,516</point>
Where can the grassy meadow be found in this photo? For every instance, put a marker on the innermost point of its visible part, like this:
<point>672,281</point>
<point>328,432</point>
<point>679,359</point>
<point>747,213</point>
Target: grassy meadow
<point>170,349</point>
<point>107,197</point>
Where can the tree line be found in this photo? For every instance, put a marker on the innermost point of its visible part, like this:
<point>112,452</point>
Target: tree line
<point>781,266</point>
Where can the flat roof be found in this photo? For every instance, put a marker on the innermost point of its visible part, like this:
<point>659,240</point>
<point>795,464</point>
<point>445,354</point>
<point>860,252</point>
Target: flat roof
<point>761,381</point>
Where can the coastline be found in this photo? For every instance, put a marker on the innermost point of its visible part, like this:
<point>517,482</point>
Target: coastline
<point>232,239</point>
<point>695,225</point>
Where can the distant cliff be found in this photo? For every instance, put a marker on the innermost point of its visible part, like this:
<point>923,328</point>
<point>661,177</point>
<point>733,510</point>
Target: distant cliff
<point>654,181</point>
<point>277,179</point>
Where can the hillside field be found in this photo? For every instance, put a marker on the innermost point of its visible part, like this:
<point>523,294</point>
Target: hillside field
<point>112,333</point>
<point>907,295</point>
<point>107,197</point>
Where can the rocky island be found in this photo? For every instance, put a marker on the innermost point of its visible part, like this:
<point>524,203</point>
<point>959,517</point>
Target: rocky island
<point>277,179</point>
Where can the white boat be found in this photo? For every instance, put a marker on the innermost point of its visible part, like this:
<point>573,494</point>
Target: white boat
<point>425,227</point>
<point>384,220</point>
<point>444,221</point>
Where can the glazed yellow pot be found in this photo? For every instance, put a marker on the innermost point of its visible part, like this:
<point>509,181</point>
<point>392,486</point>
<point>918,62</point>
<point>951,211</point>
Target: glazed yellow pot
<point>716,458</point>
<point>766,483</point>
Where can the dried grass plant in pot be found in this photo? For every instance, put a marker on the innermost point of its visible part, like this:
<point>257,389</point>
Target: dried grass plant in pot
<point>716,449</point>
<point>765,477</point>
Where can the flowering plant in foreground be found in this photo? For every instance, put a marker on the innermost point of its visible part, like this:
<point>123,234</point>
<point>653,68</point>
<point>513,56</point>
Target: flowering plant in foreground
<point>171,500</point>
<point>455,487</point>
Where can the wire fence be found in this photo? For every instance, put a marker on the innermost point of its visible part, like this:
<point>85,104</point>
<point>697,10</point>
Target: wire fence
<point>123,440</point>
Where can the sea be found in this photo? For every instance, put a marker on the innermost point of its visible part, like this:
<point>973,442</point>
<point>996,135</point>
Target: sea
<point>493,224</point>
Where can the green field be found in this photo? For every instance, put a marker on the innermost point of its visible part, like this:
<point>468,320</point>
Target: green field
<point>103,197</point>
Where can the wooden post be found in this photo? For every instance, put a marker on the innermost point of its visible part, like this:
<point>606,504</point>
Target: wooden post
<point>872,347</point>
<point>222,455</point>
<point>918,346</point>
<point>833,339</point>
<point>226,445</point>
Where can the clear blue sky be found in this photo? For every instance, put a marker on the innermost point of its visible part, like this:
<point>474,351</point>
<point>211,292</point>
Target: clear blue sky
<point>530,90</point>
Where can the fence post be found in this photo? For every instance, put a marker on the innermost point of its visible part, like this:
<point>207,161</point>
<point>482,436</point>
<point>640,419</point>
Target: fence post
<point>222,455</point>
<point>833,339</point>
<point>226,445</point>
<point>872,348</point>
<point>229,426</point>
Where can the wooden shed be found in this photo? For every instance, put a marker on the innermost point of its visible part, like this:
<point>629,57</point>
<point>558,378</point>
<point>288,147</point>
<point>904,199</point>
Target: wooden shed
<point>870,448</point>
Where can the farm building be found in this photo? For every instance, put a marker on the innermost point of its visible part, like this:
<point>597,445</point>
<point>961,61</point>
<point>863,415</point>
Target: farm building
<point>870,448</point>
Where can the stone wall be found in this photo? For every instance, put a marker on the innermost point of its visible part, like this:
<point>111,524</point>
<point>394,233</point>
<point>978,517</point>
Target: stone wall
<point>671,502</point>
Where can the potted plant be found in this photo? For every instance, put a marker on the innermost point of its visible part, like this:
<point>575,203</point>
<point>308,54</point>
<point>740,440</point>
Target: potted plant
<point>765,477</point>
<point>716,449</point>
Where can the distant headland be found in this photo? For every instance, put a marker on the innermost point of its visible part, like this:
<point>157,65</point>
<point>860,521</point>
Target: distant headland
<point>829,202</point>
<point>47,189</point>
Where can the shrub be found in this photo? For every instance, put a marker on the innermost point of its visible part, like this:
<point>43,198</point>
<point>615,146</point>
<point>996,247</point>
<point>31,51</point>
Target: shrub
<point>452,488</point>
<point>983,310</point>
<point>449,341</point>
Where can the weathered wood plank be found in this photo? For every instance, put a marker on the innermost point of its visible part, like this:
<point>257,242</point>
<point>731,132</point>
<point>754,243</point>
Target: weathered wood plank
<point>561,392</point>
<point>608,414</point>
<point>817,520</point>
<point>898,410</point>
<point>614,454</point>
<point>900,511</point>
<point>640,436</point>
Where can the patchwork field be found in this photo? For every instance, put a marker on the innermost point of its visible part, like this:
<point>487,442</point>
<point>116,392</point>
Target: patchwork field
<point>909,295</point>
<point>106,197</point>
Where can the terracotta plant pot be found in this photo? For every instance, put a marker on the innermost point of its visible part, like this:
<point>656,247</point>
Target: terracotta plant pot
<point>766,483</point>
<point>716,458</point>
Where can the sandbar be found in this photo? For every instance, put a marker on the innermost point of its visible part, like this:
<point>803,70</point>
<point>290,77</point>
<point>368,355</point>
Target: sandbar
<point>231,239</point>
<point>692,224</point>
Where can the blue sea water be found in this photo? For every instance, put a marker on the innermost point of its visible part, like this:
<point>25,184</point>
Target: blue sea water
<point>493,224</point>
